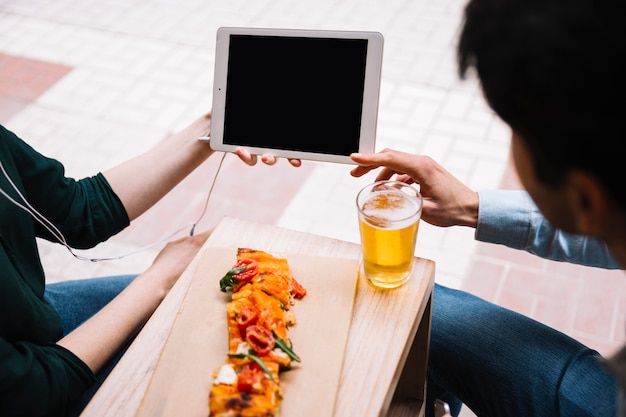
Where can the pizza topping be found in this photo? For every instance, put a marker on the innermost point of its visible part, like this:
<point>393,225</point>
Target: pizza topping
<point>242,348</point>
<point>287,348</point>
<point>279,354</point>
<point>252,356</point>
<point>290,318</point>
<point>242,272</point>
<point>226,375</point>
<point>251,267</point>
<point>297,289</point>
<point>250,377</point>
<point>247,315</point>
<point>260,339</point>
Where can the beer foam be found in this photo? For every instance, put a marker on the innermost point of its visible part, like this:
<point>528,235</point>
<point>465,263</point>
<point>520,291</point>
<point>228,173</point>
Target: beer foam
<point>388,206</point>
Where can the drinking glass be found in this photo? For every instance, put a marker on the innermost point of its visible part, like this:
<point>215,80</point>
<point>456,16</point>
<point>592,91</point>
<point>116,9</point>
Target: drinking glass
<point>389,215</point>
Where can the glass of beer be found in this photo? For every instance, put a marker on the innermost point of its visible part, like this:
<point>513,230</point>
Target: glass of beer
<point>389,215</point>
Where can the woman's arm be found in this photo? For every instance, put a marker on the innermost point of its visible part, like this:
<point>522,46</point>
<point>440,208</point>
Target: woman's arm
<point>145,179</point>
<point>142,181</point>
<point>96,340</point>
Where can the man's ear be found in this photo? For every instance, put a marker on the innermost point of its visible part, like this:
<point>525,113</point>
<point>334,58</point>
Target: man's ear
<point>590,204</point>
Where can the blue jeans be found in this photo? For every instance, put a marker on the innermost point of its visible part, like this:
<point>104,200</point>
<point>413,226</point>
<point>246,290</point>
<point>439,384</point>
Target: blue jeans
<point>78,300</point>
<point>501,363</point>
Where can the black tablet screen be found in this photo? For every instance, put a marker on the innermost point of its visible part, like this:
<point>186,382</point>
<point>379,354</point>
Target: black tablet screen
<point>295,93</point>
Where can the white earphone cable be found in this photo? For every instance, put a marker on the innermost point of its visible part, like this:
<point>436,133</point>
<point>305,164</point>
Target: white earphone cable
<point>54,231</point>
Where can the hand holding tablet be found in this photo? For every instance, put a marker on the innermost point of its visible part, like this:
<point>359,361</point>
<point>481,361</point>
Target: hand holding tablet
<point>298,94</point>
<point>267,158</point>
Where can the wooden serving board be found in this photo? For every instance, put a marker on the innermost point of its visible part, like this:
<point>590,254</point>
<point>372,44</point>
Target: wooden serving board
<point>198,342</point>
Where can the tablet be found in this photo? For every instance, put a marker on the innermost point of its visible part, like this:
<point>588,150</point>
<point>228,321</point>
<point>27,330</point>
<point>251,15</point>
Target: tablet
<point>307,94</point>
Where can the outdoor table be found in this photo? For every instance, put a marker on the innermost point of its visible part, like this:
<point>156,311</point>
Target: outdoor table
<point>385,361</point>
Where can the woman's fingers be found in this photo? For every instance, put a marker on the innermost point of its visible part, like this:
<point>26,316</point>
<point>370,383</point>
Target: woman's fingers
<point>267,159</point>
<point>246,156</point>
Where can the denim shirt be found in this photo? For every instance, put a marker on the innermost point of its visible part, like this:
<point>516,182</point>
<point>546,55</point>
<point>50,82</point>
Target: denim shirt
<point>510,218</point>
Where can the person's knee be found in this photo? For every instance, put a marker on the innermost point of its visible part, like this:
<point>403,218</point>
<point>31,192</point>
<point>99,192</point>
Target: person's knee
<point>451,313</point>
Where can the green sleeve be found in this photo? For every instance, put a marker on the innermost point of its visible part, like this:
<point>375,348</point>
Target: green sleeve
<point>87,212</point>
<point>40,380</point>
<point>38,377</point>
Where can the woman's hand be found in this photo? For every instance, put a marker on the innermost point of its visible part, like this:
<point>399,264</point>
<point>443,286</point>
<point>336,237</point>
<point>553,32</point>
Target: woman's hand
<point>172,260</point>
<point>97,339</point>
<point>267,159</point>
<point>447,201</point>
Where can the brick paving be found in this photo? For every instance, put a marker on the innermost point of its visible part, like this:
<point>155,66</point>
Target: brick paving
<point>103,81</point>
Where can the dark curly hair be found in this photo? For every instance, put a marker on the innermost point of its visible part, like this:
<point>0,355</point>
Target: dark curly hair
<point>552,70</point>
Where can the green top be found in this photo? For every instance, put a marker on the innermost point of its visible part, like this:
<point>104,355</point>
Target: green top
<point>38,377</point>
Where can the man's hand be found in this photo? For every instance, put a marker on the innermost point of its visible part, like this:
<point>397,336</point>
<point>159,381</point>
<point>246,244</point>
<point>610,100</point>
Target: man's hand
<point>447,201</point>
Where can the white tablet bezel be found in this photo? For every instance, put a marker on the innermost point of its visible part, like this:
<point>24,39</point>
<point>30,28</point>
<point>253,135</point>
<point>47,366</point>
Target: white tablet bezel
<point>371,91</point>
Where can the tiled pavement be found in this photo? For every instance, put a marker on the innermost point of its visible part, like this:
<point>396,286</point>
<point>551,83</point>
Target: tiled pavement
<point>93,83</point>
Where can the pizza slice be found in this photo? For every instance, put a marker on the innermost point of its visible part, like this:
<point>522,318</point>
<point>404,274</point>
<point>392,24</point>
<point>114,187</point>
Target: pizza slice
<point>242,388</point>
<point>258,317</point>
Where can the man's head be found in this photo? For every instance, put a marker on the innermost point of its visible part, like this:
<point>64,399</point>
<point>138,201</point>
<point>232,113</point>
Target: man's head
<point>552,70</point>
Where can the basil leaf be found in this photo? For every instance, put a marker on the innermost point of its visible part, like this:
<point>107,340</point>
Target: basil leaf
<point>282,344</point>
<point>252,356</point>
<point>228,281</point>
